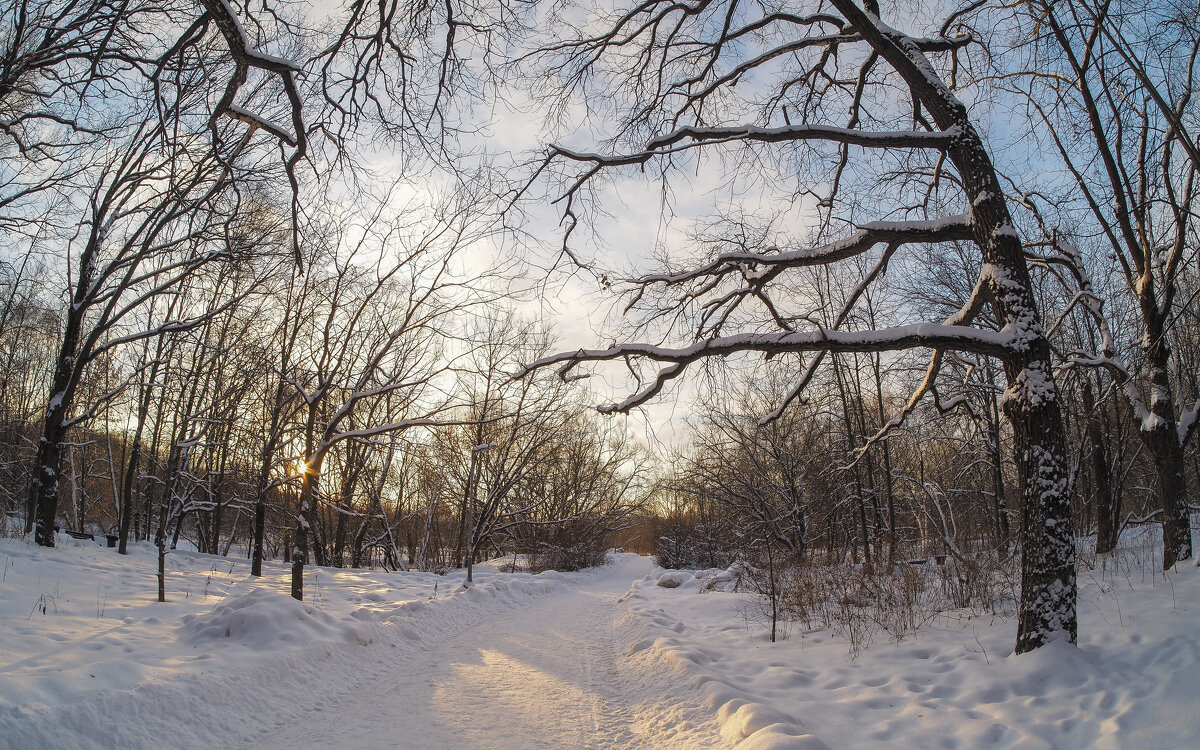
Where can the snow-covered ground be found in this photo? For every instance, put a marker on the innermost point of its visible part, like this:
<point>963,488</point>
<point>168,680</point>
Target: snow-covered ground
<point>598,659</point>
<point>1134,681</point>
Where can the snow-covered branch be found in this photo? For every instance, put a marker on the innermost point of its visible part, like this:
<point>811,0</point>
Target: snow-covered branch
<point>686,138</point>
<point>930,335</point>
<point>892,233</point>
<point>1188,423</point>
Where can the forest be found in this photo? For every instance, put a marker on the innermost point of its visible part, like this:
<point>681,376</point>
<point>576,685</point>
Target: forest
<point>917,281</point>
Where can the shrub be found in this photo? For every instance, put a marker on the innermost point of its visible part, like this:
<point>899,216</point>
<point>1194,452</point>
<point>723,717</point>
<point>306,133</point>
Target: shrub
<point>581,554</point>
<point>857,604</point>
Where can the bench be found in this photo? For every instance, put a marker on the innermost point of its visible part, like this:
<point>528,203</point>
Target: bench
<point>110,539</point>
<point>939,559</point>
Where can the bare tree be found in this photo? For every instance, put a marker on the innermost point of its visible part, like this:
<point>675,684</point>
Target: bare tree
<point>374,336</point>
<point>514,428</point>
<point>678,64</point>
<point>58,59</point>
<point>29,326</point>
<point>767,475</point>
<point>1134,165</point>
<point>584,489</point>
<point>154,218</point>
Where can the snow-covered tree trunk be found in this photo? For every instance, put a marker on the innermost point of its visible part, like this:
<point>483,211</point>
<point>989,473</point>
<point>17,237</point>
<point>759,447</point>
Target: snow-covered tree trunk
<point>43,502</point>
<point>44,493</point>
<point>1160,431</point>
<point>1031,402</point>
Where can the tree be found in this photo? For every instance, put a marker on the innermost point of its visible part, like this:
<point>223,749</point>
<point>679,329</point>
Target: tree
<point>766,476</point>
<point>514,426</point>
<point>28,341</point>
<point>586,486</point>
<point>155,218</point>
<point>684,72</point>
<point>1121,130</point>
<point>58,58</point>
<point>371,353</point>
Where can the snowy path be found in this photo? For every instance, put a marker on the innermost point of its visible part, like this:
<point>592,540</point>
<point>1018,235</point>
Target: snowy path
<point>553,675</point>
<point>603,659</point>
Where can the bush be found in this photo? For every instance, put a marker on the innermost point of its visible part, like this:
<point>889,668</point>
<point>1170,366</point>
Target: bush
<point>582,554</point>
<point>685,547</point>
<point>857,605</point>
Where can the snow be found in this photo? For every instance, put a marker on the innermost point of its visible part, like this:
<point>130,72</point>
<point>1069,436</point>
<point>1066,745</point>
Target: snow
<point>1151,422</point>
<point>1034,386</point>
<point>1005,230</point>
<point>672,579</point>
<point>1187,422</point>
<point>686,137</point>
<point>931,335</point>
<point>1132,683</point>
<point>605,658</point>
<point>260,57</point>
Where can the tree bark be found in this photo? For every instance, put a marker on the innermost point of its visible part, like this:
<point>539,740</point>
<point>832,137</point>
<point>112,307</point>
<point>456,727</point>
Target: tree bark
<point>1161,434</point>
<point>260,522</point>
<point>1031,403</point>
<point>43,497</point>
<point>308,488</point>
<point>1107,510</point>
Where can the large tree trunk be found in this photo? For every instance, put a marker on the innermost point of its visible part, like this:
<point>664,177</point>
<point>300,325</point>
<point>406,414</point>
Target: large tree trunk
<point>1160,433</point>
<point>304,512</point>
<point>1169,460</point>
<point>304,522</point>
<point>1106,512</point>
<point>1048,587</point>
<point>43,495</point>
<point>303,527</point>
<point>1031,403</point>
